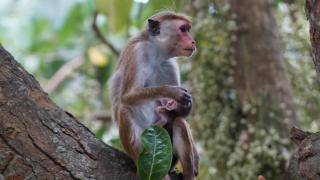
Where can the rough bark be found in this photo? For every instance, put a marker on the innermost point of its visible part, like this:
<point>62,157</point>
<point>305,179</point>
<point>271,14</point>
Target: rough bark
<point>313,15</point>
<point>304,164</point>
<point>259,66</point>
<point>38,140</point>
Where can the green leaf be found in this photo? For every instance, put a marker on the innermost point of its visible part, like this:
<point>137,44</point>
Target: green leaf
<point>73,24</point>
<point>155,6</point>
<point>116,143</point>
<point>47,69</point>
<point>155,160</point>
<point>117,12</point>
<point>104,73</point>
<point>158,5</point>
<point>91,6</point>
<point>101,131</point>
<point>101,6</point>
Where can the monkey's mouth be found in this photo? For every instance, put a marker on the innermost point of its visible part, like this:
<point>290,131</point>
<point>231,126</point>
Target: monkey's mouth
<point>189,49</point>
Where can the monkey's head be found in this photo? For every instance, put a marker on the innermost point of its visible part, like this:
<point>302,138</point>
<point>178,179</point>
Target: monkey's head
<point>171,33</point>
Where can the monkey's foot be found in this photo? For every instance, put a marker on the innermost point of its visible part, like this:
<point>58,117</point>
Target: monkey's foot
<point>175,175</point>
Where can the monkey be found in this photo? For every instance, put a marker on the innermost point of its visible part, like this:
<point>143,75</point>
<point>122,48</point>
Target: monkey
<point>146,82</point>
<point>168,109</point>
<point>163,111</point>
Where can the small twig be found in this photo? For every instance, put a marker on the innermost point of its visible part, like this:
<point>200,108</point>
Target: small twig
<point>100,36</point>
<point>102,116</point>
<point>63,73</point>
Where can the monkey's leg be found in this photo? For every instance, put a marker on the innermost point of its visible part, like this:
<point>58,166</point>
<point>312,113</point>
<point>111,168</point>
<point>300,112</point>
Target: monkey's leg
<point>130,134</point>
<point>196,159</point>
<point>185,149</point>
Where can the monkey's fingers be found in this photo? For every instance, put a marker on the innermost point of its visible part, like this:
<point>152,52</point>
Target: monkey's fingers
<point>183,110</point>
<point>185,99</point>
<point>183,89</point>
<point>189,104</point>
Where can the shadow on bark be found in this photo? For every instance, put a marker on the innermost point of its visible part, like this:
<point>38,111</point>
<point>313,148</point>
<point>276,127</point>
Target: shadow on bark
<point>304,163</point>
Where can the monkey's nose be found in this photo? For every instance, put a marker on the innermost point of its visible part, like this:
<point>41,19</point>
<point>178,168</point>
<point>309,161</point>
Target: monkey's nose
<point>193,42</point>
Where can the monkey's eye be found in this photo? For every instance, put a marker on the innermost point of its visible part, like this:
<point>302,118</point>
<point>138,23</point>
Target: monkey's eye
<point>185,28</point>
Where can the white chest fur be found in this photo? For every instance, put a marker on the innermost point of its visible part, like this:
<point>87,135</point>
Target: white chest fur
<point>153,70</point>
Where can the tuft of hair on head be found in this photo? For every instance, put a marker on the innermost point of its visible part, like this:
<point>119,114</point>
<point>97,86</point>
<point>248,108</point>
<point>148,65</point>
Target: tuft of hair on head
<point>170,15</point>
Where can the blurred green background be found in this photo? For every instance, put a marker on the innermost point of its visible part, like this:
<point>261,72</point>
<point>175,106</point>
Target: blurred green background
<point>238,137</point>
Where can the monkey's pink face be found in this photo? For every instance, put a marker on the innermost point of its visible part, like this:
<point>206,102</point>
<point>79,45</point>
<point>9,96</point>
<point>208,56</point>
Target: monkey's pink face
<point>181,40</point>
<point>186,42</point>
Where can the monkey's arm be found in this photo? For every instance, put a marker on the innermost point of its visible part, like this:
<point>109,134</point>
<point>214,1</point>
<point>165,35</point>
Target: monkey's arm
<point>140,95</point>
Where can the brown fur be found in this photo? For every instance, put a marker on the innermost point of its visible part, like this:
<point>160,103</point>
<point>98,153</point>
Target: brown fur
<point>181,126</point>
<point>125,126</point>
<point>168,15</point>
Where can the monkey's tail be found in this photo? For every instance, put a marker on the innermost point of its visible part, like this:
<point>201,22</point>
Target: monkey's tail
<point>114,94</point>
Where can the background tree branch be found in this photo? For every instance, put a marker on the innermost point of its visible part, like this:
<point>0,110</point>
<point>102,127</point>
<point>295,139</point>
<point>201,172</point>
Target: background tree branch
<point>64,72</point>
<point>100,35</point>
<point>313,15</point>
<point>38,140</point>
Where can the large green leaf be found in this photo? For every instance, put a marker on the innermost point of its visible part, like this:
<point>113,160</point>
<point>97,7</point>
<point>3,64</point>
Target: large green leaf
<point>158,5</point>
<point>155,160</point>
<point>101,6</point>
<point>117,12</point>
<point>74,23</point>
<point>155,6</point>
<point>100,132</point>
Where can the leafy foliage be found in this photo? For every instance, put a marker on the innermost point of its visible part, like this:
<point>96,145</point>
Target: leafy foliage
<point>241,140</point>
<point>299,63</point>
<point>117,12</point>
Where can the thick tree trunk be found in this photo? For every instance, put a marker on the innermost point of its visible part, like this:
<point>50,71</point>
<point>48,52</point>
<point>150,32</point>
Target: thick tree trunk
<point>259,66</point>
<point>313,15</point>
<point>38,140</point>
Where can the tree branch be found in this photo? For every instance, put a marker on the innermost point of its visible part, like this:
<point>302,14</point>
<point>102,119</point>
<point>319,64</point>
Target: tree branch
<point>38,139</point>
<point>304,163</point>
<point>100,36</point>
<point>102,116</point>
<point>313,14</point>
<point>63,73</point>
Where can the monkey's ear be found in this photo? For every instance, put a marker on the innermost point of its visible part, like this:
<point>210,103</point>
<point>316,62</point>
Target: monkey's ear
<point>153,27</point>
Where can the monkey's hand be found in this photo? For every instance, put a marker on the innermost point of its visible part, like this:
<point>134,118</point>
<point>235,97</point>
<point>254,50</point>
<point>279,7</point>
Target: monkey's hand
<point>179,94</point>
<point>184,99</point>
<point>182,110</point>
